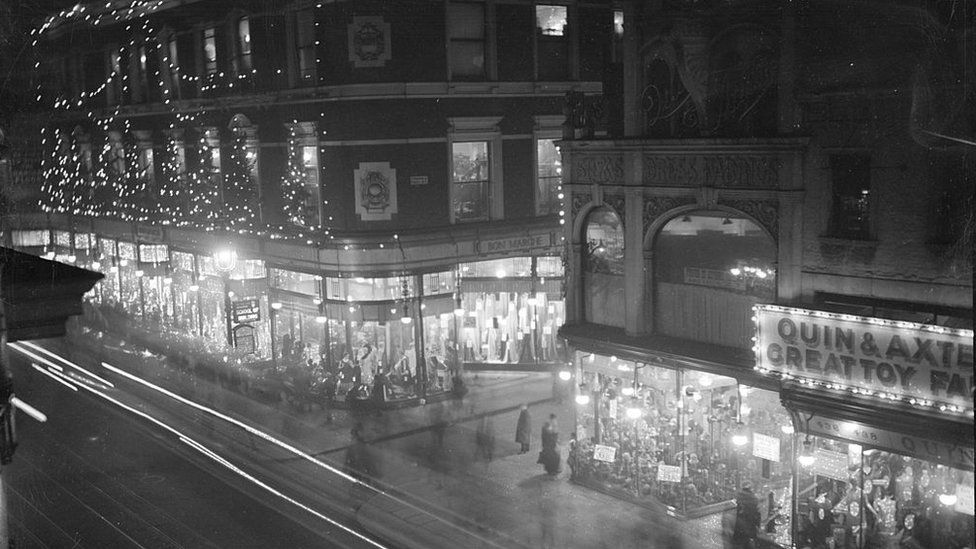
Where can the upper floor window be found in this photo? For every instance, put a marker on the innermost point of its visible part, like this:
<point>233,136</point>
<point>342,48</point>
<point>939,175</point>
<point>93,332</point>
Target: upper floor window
<point>475,148</point>
<point>313,199</point>
<point>549,177</point>
<point>618,36</point>
<point>603,268</point>
<point>141,83</point>
<point>114,89</point>
<point>305,48</point>
<point>209,52</point>
<point>146,161</point>
<point>470,180</point>
<point>552,43</point>
<point>850,213</point>
<point>466,25</point>
<point>172,60</point>
<point>243,46</point>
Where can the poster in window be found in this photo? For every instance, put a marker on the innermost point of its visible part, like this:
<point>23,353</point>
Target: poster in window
<point>376,191</point>
<point>668,473</point>
<point>604,453</point>
<point>244,338</point>
<point>369,42</point>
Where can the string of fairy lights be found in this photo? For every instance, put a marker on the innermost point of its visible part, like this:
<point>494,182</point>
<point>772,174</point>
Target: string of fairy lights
<point>118,182</point>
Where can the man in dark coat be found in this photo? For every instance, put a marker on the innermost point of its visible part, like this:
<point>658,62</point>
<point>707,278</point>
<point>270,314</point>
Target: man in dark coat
<point>747,518</point>
<point>523,431</point>
<point>549,457</point>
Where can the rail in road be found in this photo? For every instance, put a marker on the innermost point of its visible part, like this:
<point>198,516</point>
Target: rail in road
<point>373,513</point>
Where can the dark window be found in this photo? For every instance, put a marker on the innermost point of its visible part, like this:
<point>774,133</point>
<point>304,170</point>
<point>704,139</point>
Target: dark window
<point>209,52</point>
<point>243,46</point>
<point>173,62</point>
<point>305,48</point>
<point>850,216</point>
<point>466,24</point>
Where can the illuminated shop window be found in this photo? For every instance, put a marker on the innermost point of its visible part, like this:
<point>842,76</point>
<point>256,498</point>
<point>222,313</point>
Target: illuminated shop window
<point>603,269</point>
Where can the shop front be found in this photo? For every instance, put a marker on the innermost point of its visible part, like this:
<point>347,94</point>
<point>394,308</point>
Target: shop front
<point>510,310</point>
<point>884,417</point>
<point>656,433</point>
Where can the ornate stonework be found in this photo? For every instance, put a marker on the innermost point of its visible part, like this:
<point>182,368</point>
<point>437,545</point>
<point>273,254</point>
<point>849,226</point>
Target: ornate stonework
<point>728,171</point>
<point>766,212</point>
<point>598,169</point>
<point>618,203</point>
<point>655,206</point>
<point>578,201</point>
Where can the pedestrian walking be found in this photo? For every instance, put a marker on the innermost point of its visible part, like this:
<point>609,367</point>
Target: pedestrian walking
<point>549,456</point>
<point>747,518</point>
<point>485,439</point>
<point>523,430</point>
<point>360,462</point>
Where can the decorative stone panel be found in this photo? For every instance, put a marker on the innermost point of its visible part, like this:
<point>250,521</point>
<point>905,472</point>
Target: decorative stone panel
<point>618,203</point>
<point>602,170</point>
<point>732,171</point>
<point>766,212</point>
<point>656,206</point>
<point>578,201</point>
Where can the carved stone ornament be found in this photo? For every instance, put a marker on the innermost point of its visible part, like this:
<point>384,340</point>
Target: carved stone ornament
<point>578,201</point>
<point>656,206</point>
<point>376,196</point>
<point>369,42</point>
<point>766,212</point>
<point>618,203</point>
<point>602,170</point>
<point>729,171</point>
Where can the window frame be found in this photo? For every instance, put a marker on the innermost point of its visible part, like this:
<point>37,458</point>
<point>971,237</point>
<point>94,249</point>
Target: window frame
<point>486,72</point>
<point>547,127</point>
<point>305,76</point>
<point>208,68</point>
<point>840,190</point>
<point>243,52</point>
<point>478,129</point>
<point>567,38</point>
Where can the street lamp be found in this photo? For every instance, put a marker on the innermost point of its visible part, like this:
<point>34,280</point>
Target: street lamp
<point>225,260</point>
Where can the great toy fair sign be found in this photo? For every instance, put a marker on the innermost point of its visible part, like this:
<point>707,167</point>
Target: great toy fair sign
<point>907,359</point>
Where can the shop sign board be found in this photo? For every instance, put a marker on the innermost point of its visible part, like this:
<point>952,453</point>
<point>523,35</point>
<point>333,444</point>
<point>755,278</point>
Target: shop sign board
<point>604,453</point>
<point>830,464</point>
<point>947,453</point>
<point>518,244</point>
<point>668,473</point>
<point>247,310</point>
<point>906,359</point>
<point>765,447</point>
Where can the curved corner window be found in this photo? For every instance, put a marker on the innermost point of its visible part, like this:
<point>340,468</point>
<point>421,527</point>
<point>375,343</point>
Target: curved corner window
<point>603,269</point>
<point>710,268</point>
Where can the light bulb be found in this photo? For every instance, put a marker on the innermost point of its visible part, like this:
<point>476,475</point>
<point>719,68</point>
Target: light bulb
<point>634,412</point>
<point>276,305</point>
<point>582,399</point>
<point>806,457</point>
<point>406,319</point>
<point>565,375</point>
<point>948,499</point>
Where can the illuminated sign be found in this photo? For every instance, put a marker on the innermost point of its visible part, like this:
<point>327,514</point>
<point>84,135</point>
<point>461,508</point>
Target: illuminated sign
<point>896,358</point>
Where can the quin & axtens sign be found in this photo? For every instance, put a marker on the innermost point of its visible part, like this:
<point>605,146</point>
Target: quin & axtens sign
<point>902,358</point>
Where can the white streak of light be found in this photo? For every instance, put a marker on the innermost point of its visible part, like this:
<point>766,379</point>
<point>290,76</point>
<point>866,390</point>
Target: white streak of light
<point>33,345</point>
<point>207,452</point>
<point>28,409</point>
<point>229,465</point>
<point>273,440</point>
<point>236,422</point>
<point>51,375</point>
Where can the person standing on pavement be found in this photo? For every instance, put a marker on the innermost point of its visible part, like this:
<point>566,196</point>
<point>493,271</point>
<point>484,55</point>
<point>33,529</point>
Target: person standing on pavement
<point>549,456</point>
<point>523,430</point>
<point>485,439</point>
<point>747,518</point>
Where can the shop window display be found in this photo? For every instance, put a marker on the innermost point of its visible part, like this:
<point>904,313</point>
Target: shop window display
<point>684,438</point>
<point>856,497</point>
<point>510,327</point>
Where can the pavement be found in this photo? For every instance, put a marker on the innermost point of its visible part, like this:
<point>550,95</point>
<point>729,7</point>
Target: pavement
<point>434,493</point>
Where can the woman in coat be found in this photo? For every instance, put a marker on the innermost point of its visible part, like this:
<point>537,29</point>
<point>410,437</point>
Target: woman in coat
<point>523,430</point>
<point>549,456</point>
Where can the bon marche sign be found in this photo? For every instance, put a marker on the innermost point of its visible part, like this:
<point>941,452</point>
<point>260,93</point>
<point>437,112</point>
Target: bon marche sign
<point>902,358</point>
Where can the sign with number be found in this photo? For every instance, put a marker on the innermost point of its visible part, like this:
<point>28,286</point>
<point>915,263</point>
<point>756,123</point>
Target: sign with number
<point>247,310</point>
<point>765,447</point>
<point>668,473</point>
<point>946,453</point>
<point>604,453</point>
<point>830,464</point>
